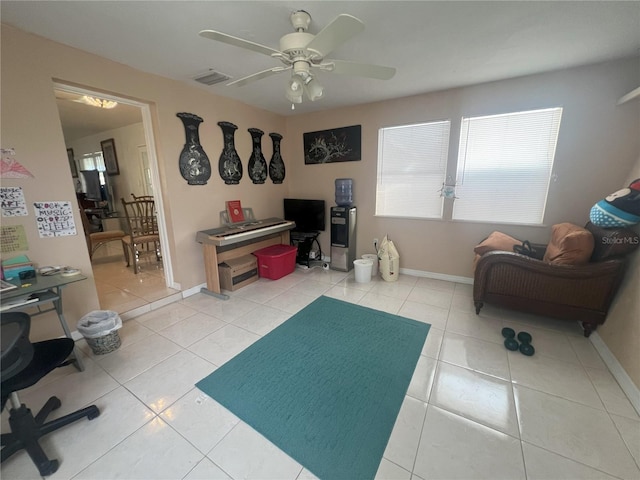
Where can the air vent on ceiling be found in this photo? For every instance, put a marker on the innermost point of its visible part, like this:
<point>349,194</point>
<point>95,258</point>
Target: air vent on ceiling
<point>212,77</point>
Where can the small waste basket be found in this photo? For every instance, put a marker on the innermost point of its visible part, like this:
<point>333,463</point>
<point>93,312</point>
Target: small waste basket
<point>100,329</point>
<point>363,270</point>
<point>374,258</point>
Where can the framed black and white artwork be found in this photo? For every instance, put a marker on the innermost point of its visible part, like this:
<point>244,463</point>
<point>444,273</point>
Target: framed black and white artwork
<point>335,145</point>
<point>72,163</point>
<point>110,157</point>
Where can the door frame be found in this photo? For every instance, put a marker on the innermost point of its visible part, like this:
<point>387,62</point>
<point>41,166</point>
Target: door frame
<point>147,123</point>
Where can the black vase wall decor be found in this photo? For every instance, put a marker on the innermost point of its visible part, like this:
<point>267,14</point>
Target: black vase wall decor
<point>193,162</point>
<point>276,165</point>
<point>229,164</point>
<point>257,164</point>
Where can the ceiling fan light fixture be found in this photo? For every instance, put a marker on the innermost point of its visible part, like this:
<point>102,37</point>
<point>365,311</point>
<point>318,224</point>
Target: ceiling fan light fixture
<point>300,51</point>
<point>313,89</point>
<point>98,102</point>
<point>295,89</point>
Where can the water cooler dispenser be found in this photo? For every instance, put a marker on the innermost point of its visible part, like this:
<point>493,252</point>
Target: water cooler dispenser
<point>343,238</point>
<point>343,227</point>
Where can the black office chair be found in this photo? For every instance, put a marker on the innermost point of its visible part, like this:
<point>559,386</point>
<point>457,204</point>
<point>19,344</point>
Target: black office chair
<point>23,364</point>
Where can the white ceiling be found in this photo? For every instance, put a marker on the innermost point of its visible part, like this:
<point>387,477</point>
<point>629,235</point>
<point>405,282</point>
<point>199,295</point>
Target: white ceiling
<point>433,45</point>
<point>80,120</point>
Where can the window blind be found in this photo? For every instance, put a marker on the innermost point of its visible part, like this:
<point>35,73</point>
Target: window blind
<point>504,166</point>
<point>412,162</point>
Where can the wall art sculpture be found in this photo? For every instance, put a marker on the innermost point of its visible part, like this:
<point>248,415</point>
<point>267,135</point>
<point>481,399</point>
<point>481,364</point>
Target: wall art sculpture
<point>276,165</point>
<point>229,164</point>
<point>194,164</point>
<point>257,164</point>
<point>335,145</point>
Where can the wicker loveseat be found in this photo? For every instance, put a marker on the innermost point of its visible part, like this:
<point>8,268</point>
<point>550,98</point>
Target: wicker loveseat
<point>572,292</point>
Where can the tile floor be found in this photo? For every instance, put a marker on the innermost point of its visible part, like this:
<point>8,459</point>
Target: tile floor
<point>119,289</point>
<point>473,409</point>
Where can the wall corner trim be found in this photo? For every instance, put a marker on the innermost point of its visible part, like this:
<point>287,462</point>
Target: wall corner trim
<point>619,373</point>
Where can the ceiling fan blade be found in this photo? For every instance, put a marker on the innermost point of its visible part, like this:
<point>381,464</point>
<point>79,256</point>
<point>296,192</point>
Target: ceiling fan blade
<point>341,29</point>
<point>238,42</point>
<point>359,69</point>
<point>257,76</point>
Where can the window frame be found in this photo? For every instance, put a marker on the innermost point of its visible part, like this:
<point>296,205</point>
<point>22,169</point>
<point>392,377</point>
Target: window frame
<point>452,165</point>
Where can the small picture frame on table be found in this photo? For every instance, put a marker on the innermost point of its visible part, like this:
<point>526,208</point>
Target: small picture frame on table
<point>110,158</point>
<point>72,163</point>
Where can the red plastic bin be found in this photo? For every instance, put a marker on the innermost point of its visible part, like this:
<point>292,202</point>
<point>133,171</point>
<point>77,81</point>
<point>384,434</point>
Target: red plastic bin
<point>276,261</point>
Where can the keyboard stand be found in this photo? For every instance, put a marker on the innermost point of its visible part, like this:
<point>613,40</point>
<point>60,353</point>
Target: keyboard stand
<point>218,246</point>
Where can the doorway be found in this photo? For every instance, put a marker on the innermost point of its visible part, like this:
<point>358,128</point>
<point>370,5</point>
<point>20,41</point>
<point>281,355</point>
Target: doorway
<point>145,170</point>
<point>132,169</point>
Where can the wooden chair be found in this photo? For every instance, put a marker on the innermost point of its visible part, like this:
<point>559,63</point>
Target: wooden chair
<point>142,229</point>
<point>142,197</point>
<point>96,239</point>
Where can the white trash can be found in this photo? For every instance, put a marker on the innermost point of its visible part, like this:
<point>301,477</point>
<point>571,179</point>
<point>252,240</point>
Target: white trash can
<point>363,270</point>
<point>374,259</point>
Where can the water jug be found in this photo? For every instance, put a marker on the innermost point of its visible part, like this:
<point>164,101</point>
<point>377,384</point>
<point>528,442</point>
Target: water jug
<point>344,192</point>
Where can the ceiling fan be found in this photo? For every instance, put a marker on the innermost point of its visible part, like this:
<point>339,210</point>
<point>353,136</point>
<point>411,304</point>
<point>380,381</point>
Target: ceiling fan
<point>301,52</point>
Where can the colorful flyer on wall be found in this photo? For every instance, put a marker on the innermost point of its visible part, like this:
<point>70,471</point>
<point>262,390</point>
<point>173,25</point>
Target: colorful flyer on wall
<point>13,203</point>
<point>54,219</point>
<point>13,239</point>
<point>10,167</point>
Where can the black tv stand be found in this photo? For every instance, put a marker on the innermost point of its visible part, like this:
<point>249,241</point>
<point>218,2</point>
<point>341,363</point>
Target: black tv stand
<point>305,242</point>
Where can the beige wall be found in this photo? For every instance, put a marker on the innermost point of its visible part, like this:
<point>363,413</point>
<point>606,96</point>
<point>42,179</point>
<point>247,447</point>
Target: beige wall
<point>597,148</point>
<point>31,125</point>
<point>621,331</point>
<point>598,144</point>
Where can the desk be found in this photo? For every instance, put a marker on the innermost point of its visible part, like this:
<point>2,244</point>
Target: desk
<point>49,290</point>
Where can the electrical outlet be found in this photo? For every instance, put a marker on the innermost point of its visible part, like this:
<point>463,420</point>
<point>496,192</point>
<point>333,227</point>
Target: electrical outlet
<point>375,243</point>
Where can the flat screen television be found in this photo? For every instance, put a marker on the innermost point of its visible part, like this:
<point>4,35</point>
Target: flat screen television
<point>309,215</point>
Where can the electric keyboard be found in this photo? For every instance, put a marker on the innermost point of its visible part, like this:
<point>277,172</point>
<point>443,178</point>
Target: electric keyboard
<point>246,231</point>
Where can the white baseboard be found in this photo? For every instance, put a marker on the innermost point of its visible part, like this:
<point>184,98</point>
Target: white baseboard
<point>628,387</point>
<point>437,276</point>
<point>193,290</point>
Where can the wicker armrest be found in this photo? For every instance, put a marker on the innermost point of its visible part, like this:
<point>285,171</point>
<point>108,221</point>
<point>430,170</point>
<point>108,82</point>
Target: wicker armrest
<point>571,292</point>
<point>533,265</point>
<point>518,276</point>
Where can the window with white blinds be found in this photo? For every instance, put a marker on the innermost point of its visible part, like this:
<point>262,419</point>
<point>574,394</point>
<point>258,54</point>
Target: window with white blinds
<point>412,162</point>
<point>94,161</point>
<point>504,166</point>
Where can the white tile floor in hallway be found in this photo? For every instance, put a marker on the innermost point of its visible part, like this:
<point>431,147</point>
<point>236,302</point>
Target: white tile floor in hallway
<point>119,288</point>
<point>473,409</point>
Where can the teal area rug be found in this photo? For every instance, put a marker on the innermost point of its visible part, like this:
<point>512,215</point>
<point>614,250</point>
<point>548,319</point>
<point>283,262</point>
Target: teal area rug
<point>325,386</point>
